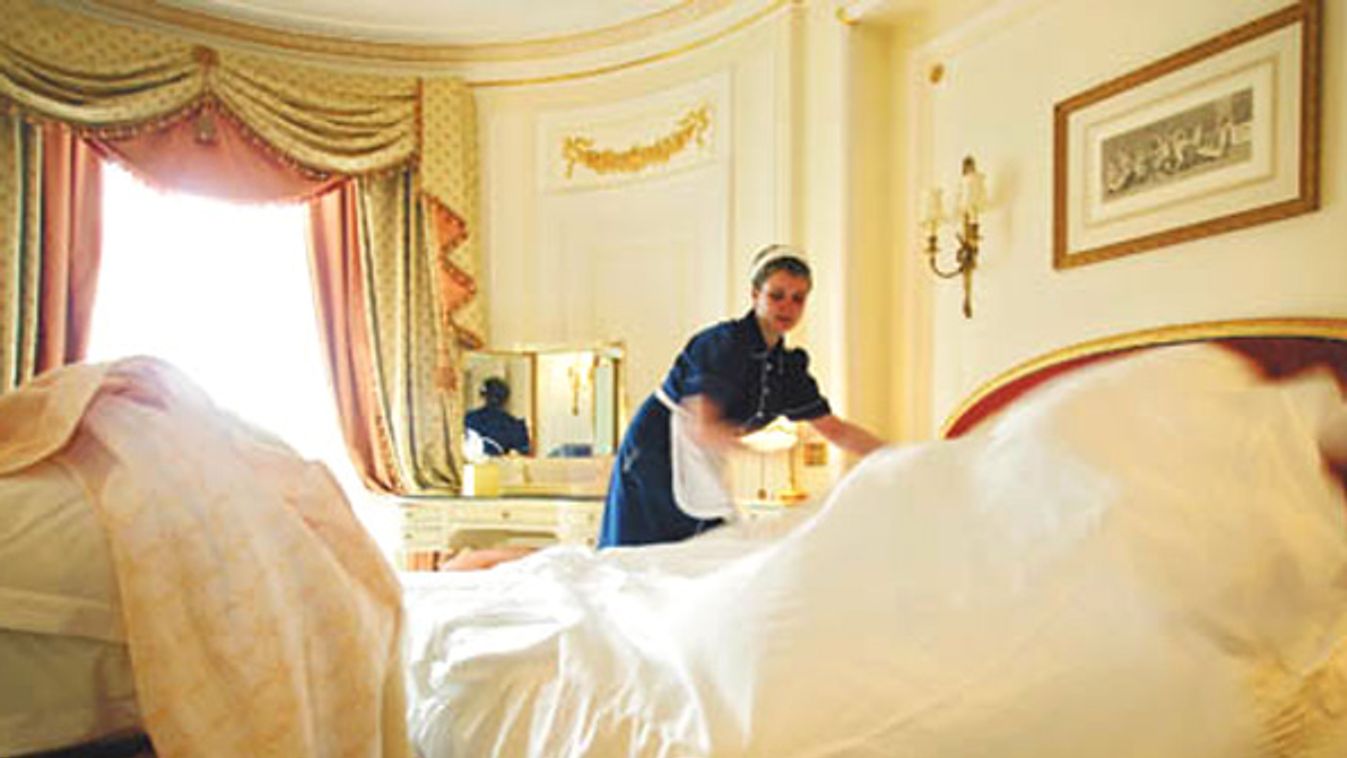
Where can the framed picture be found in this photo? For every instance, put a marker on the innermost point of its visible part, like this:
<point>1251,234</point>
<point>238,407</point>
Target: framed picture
<point>1220,136</point>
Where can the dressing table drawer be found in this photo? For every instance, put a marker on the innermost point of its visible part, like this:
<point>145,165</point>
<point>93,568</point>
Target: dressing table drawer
<point>433,528</point>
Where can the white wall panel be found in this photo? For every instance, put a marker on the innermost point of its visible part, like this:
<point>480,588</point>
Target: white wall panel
<point>1003,74</point>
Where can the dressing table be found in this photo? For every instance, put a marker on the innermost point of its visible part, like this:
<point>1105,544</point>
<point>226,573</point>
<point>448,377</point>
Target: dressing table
<point>572,401</point>
<point>570,398</point>
<point>436,528</point>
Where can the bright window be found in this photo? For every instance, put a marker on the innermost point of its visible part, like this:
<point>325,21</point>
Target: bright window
<point>222,291</point>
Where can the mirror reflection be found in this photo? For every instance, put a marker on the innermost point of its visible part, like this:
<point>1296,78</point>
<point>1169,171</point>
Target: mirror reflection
<point>542,402</point>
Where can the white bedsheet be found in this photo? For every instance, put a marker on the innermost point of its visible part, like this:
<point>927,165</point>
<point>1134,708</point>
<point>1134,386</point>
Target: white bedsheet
<point>1146,559</point>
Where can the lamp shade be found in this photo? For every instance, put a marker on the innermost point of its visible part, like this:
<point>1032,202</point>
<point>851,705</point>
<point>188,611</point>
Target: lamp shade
<point>775,437</point>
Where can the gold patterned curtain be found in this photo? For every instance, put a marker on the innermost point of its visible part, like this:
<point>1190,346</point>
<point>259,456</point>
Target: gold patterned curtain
<point>20,229</point>
<point>408,142</point>
<point>399,289</point>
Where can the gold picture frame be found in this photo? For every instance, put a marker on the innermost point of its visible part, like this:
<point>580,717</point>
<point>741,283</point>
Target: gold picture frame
<point>1220,136</point>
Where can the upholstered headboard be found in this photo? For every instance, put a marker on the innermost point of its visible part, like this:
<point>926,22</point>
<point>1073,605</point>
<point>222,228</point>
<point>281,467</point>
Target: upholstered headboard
<point>1280,347</point>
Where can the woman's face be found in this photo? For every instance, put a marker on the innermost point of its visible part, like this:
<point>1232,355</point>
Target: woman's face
<point>779,303</point>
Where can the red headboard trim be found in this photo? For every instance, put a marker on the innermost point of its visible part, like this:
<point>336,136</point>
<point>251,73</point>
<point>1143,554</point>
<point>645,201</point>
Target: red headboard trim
<point>1275,355</point>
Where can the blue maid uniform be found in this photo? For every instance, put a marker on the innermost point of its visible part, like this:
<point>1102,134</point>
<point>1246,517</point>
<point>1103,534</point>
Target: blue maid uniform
<point>500,431</point>
<point>731,365</point>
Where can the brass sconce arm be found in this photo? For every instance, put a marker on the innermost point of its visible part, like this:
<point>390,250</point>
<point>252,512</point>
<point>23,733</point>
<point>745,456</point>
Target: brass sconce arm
<point>971,199</point>
<point>965,259</point>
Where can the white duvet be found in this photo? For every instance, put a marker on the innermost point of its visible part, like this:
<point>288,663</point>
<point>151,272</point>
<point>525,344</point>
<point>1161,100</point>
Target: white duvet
<point>1145,558</point>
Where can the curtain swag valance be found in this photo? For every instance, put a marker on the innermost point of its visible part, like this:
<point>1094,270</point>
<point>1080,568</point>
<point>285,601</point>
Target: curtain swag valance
<point>398,229</point>
<point>110,81</point>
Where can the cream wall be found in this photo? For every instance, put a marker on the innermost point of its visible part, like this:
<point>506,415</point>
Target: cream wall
<point>874,212</point>
<point>644,258</point>
<point>1003,72</point>
<point>649,258</point>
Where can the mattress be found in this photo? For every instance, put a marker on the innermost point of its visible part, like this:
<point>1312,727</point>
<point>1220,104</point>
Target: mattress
<point>65,667</point>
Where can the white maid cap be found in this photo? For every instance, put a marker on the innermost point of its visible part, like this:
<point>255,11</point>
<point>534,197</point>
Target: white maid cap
<point>773,253</point>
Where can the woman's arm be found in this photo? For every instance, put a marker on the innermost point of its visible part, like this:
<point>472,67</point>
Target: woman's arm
<point>846,435</point>
<point>708,425</point>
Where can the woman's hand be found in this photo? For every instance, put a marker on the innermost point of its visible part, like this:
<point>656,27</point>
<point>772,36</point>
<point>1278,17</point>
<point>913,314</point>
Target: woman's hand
<point>846,435</point>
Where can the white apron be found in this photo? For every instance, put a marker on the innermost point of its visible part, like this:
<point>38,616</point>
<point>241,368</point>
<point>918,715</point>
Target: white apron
<point>701,486</point>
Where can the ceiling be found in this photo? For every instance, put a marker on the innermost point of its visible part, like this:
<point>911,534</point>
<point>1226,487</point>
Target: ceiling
<point>502,33</point>
<point>470,23</point>
<point>443,22</point>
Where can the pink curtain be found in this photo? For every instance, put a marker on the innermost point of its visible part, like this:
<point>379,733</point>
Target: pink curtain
<point>339,294</point>
<point>208,152</point>
<point>72,225</point>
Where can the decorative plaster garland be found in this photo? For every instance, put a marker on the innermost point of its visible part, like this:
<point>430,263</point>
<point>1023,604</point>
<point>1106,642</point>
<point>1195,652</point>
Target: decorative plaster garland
<point>692,126</point>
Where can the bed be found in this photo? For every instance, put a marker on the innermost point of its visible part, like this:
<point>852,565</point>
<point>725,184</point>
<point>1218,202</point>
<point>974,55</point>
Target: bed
<point>1130,547</point>
<point>1135,545</point>
<point>1277,347</point>
<point>178,581</point>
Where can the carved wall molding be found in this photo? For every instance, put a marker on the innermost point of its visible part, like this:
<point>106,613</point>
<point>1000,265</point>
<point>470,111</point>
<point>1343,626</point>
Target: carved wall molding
<point>691,128</point>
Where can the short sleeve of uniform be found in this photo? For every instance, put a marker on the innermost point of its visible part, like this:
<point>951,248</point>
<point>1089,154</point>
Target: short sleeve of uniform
<point>710,361</point>
<point>803,399</point>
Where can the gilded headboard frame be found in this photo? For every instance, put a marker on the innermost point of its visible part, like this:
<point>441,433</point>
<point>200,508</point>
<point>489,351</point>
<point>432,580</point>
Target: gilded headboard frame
<point>1015,381</point>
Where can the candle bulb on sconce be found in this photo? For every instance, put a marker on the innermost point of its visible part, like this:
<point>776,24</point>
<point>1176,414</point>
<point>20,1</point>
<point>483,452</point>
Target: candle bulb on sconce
<point>932,210</point>
<point>969,203</point>
<point>972,189</point>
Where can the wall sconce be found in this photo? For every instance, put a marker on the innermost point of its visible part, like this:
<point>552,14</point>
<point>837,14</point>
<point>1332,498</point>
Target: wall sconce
<point>972,198</point>
<point>580,375</point>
